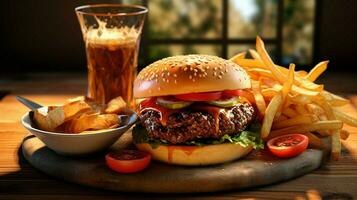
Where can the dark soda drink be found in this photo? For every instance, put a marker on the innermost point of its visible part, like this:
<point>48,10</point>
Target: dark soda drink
<point>112,63</point>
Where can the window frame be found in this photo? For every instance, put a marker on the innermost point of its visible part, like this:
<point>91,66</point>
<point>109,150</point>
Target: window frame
<point>225,41</point>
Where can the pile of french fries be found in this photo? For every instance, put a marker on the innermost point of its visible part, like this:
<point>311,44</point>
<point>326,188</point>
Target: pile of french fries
<point>289,101</point>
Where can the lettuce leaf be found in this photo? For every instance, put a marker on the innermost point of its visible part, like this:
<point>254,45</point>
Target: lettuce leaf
<point>251,136</point>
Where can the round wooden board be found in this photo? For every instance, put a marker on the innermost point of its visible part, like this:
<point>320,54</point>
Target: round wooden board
<point>257,169</point>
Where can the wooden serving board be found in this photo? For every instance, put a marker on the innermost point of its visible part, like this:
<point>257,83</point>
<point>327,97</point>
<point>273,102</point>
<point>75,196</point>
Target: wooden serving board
<point>257,169</point>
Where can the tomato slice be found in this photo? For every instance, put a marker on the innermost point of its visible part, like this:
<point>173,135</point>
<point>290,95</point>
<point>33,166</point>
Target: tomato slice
<point>203,96</point>
<point>128,161</point>
<point>287,146</point>
<point>148,102</point>
<point>232,93</point>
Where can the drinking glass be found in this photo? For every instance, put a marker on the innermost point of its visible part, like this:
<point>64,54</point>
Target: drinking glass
<point>111,33</point>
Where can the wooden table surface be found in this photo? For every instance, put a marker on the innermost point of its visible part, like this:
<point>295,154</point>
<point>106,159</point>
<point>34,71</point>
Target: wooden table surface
<point>19,180</point>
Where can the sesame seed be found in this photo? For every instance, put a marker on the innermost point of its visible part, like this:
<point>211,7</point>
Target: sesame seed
<point>219,76</point>
<point>190,77</point>
<point>214,73</point>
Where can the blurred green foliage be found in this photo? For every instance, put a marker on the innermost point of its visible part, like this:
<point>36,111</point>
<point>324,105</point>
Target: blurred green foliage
<point>202,19</point>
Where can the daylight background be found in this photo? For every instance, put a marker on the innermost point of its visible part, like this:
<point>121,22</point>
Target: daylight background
<point>45,35</point>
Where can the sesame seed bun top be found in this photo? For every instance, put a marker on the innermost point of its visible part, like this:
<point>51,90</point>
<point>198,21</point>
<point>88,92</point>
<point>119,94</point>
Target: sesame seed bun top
<point>189,74</point>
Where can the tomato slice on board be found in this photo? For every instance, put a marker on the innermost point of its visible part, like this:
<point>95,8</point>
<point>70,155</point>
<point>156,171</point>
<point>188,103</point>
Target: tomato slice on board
<point>232,93</point>
<point>128,161</point>
<point>203,96</point>
<point>287,146</point>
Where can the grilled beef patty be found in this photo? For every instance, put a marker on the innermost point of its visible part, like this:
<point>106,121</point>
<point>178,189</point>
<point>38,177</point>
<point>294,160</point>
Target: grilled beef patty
<point>191,125</point>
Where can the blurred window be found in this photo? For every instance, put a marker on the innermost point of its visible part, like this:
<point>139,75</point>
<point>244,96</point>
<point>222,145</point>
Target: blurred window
<point>227,27</point>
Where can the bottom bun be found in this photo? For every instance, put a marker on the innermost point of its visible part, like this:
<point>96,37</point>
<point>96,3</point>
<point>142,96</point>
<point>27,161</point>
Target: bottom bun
<point>196,155</point>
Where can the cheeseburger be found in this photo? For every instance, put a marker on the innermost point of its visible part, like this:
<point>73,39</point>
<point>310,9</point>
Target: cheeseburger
<point>193,111</point>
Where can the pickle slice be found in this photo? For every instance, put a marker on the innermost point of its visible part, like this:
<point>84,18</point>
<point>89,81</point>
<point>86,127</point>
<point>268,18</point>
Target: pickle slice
<point>225,103</point>
<point>172,104</point>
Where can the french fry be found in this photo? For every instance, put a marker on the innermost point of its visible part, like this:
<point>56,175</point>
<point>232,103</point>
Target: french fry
<point>254,76</point>
<point>269,93</point>
<point>335,145</point>
<point>249,63</point>
<point>333,99</point>
<point>260,72</point>
<point>309,85</point>
<point>290,112</point>
<point>300,108</point>
<point>344,134</point>
<point>254,54</point>
<point>315,109</point>
<point>281,77</point>
<point>300,119</point>
<point>323,117</point>
<point>335,139</point>
<point>253,63</point>
<point>320,125</point>
<point>259,99</point>
<point>270,112</point>
<point>287,85</point>
<point>270,83</point>
<point>314,141</point>
<point>327,109</point>
<point>301,73</point>
<point>301,99</point>
<point>317,71</point>
<point>263,54</point>
<point>238,56</point>
<point>280,119</point>
<point>345,118</point>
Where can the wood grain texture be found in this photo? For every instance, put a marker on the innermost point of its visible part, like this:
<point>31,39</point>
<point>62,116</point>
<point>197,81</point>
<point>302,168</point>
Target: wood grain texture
<point>19,180</point>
